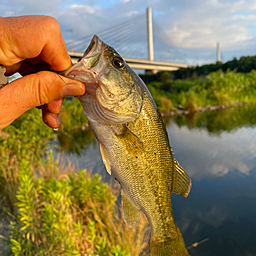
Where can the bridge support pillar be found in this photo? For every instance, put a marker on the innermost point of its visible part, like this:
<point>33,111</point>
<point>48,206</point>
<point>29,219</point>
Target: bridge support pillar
<point>150,35</point>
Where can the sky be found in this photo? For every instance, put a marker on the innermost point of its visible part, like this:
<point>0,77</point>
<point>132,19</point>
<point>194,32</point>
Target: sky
<point>185,31</point>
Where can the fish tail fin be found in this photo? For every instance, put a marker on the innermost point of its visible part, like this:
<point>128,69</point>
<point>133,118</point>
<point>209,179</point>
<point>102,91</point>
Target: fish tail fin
<point>168,246</point>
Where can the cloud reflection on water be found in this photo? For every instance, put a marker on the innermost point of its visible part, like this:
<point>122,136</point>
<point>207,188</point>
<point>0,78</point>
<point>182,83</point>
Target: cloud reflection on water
<point>222,202</point>
<point>204,155</point>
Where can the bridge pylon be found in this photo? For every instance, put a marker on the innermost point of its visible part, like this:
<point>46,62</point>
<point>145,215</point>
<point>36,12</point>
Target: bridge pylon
<point>150,35</point>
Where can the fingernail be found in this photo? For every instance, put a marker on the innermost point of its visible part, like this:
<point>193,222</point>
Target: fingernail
<point>72,90</point>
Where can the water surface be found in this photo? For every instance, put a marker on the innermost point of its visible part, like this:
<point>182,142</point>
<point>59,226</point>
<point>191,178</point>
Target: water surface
<point>218,150</point>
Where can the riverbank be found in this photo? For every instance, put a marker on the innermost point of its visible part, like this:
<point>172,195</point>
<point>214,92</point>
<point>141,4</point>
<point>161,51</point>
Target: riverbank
<point>67,127</point>
<point>181,111</point>
<point>217,90</point>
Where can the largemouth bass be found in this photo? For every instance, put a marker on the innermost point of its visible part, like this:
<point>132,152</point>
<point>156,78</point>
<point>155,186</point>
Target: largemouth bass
<point>133,143</point>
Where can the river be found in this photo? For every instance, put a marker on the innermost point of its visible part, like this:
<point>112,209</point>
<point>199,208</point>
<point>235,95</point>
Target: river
<point>218,150</point>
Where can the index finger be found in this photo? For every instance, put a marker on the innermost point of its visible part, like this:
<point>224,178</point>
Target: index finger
<point>27,37</point>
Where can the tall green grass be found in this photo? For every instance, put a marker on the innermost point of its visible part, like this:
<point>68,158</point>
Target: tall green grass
<point>218,88</point>
<point>52,210</point>
<point>69,213</point>
<point>26,139</point>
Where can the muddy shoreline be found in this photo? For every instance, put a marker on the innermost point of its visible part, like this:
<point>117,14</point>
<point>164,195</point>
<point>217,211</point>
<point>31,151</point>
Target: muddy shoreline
<point>181,111</point>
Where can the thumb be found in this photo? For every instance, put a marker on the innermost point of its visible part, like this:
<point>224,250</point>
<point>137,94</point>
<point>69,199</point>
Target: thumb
<point>34,90</point>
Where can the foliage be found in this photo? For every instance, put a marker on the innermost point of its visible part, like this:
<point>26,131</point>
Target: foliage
<point>24,139</point>
<point>165,104</point>
<point>66,213</point>
<point>191,101</point>
<point>244,65</point>
<point>69,214</point>
<point>72,116</point>
<point>218,88</point>
<point>52,211</point>
<point>218,121</point>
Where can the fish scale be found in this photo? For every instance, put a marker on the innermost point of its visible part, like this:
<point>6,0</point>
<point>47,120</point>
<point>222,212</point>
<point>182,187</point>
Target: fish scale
<point>134,144</point>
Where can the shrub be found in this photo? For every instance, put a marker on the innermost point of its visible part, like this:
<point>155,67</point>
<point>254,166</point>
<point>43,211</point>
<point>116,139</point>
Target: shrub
<point>69,214</point>
<point>191,102</point>
<point>165,104</point>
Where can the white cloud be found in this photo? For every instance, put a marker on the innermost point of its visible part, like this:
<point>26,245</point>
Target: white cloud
<point>242,17</point>
<point>82,8</point>
<point>126,1</point>
<point>213,21</point>
<point>188,24</point>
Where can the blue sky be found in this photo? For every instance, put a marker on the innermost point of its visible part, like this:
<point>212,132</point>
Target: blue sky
<point>191,28</point>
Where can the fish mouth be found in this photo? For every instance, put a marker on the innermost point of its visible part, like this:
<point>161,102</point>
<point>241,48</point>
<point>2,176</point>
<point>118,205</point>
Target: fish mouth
<point>95,46</point>
<point>90,66</point>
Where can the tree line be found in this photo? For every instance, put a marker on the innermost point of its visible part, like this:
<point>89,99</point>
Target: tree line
<point>243,65</point>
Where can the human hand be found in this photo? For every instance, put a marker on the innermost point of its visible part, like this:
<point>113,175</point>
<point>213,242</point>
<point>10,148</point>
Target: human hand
<point>32,46</point>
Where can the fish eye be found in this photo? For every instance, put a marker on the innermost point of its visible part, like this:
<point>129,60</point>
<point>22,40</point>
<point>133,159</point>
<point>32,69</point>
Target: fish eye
<point>118,62</point>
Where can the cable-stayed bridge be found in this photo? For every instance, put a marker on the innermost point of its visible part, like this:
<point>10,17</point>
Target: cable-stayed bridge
<point>134,40</point>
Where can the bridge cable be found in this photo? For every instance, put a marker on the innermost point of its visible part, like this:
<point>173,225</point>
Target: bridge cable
<point>111,30</point>
<point>109,34</point>
<point>107,30</point>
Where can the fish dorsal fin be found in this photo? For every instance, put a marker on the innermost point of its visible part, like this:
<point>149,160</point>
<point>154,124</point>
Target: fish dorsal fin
<point>131,142</point>
<point>181,181</point>
<point>130,210</point>
<point>105,158</point>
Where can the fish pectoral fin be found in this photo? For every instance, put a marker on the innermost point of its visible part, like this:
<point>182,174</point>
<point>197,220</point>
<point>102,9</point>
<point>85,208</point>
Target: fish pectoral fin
<point>105,158</point>
<point>131,142</point>
<point>130,211</point>
<point>181,180</point>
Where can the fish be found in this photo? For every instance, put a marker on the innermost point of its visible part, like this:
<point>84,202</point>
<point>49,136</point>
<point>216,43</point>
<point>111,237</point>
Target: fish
<point>134,144</point>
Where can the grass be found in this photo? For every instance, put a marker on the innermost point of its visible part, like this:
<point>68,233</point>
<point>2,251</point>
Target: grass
<point>25,139</point>
<point>50,210</point>
<point>64,212</point>
<point>69,213</point>
<point>218,88</point>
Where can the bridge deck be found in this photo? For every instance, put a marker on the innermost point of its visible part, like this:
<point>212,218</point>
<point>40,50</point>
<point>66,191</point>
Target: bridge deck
<point>140,63</point>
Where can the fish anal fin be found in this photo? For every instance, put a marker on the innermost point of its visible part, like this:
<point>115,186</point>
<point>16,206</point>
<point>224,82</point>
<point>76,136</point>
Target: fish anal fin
<point>130,211</point>
<point>181,181</point>
<point>105,158</point>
